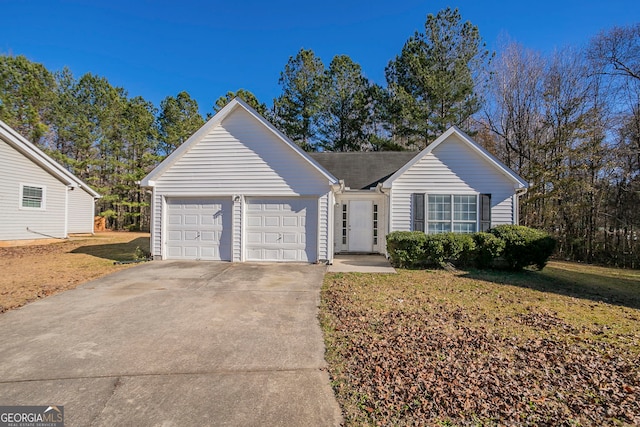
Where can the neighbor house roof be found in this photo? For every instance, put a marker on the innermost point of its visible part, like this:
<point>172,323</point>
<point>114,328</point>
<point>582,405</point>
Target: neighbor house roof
<point>29,150</point>
<point>216,120</point>
<point>363,170</point>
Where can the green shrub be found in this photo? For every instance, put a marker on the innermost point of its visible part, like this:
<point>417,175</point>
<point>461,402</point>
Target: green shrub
<point>455,248</point>
<point>488,248</point>
<point>524,246</point>
<point>406,248</point>
<point>519,247</point>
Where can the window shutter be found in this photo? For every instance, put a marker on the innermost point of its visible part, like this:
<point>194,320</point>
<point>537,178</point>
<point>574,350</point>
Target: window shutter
<point>418,211</point>
<point>485,212</point>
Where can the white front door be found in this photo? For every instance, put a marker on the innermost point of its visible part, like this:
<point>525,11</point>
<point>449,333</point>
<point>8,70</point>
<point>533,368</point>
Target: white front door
<point>360,226</point>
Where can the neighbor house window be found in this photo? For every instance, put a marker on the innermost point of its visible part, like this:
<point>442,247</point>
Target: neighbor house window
<point>32,197</point>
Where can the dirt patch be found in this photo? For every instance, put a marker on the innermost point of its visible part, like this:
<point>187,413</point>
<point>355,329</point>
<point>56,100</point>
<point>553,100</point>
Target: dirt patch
<point>36,271</point>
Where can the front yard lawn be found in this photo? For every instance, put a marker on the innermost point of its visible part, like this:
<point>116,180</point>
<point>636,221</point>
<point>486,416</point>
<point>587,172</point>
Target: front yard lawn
<point>556,347</point>
<point>37,271</point>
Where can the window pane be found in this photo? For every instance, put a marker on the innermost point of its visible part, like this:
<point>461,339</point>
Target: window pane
<point>31,197</point>
<point>439,227</point>
<point>464,227</point>
<point>464,208</point>
<point>439,207</point>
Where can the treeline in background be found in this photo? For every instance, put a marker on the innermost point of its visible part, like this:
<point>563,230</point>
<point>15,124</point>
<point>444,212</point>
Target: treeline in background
<point>567,121</point>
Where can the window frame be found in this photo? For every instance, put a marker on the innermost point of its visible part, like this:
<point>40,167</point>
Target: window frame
<point>451,214</point>
<point>43,197</point>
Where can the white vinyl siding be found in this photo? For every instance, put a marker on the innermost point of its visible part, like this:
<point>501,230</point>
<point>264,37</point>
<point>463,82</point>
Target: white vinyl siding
<point>81,211</point>
<point>324,222</point>
<point>16,222</point>
<point>452,168</point>
<point>241,157</point>
<point>236,237</point>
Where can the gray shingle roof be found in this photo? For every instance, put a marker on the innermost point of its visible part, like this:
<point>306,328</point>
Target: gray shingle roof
<point>363,170</point>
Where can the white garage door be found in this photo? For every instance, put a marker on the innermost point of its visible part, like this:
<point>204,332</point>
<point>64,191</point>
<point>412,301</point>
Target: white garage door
<point>282,229</point>
<point>198,229</point>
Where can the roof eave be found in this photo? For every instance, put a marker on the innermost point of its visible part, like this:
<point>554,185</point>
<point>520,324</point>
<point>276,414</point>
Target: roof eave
<point>30,150</point>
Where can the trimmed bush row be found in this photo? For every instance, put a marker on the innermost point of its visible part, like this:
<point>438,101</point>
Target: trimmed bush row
<point>505,246</point>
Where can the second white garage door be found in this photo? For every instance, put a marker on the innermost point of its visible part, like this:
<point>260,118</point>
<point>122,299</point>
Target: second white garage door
<point>282,229</point>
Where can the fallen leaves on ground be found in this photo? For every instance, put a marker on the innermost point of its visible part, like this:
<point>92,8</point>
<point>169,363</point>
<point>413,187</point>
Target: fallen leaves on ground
<point>421,361</point>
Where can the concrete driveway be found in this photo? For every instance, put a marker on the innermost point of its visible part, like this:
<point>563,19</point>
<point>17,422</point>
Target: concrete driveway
<point>175,344</point>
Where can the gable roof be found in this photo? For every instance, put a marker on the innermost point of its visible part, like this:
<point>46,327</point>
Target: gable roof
<point>29,150</point>
<point>490,158</point>
<point>363,170</point>
<point>216,120</point>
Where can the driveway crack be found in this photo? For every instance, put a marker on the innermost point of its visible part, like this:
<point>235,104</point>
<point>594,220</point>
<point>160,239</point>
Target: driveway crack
<point>116,383</point>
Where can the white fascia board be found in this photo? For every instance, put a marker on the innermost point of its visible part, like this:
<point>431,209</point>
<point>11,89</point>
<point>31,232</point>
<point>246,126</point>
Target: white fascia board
<point>30,150</point>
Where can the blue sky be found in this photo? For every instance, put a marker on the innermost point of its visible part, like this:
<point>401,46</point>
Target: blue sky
<point>159,48</point>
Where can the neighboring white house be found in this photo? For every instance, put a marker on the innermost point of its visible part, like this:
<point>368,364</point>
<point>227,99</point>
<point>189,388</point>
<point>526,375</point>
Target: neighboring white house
<point>39,199</point>
<point>240,190</point>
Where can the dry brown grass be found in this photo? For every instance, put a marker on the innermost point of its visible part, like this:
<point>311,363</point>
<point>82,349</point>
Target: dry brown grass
<point>36,271</point>
<point>557,347</point>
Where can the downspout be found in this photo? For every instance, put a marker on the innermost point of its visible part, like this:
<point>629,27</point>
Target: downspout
<point>516,200</point>
<point>337,188</point>
<point>387,213</point>
<point>66,210</point>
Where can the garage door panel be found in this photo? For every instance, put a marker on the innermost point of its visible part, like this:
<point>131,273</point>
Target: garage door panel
<point>209,252</point>
<point>290,221</point>
<point>271,254</point>
<point>199,229</point>
<point>190,235</point>
<point>289,238</point>
<point>173,252</point>
<point>254,237</point>
<point>175,219</point>
<point>290,254</point>
<point>254,221</point>
<point>210,236</point>
<point>277,231</point>
<point>191,219</point>
<point>271,221</point>
<point>174,235</point>
<point>253,254</point>
<point>208,220</point>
